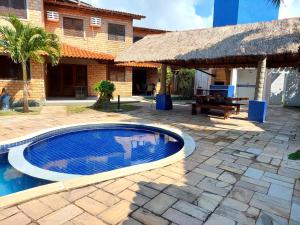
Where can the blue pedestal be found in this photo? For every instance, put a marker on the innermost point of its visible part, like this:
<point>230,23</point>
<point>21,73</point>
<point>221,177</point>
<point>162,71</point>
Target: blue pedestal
<point>257,111</point>
<point>164,102</point>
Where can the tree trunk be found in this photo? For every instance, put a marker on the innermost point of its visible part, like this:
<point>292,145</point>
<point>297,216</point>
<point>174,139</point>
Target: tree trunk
<point>163,79</point>
<point>260,79</point>
<point>25,89</point>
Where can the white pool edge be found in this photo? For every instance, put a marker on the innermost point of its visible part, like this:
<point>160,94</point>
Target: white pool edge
<point>77,182</point>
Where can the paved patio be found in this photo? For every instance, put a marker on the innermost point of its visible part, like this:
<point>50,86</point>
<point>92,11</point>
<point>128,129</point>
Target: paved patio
<point>239,174</point>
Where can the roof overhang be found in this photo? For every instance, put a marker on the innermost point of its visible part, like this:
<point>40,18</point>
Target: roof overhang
<point>69,51</point>
<point>229,46</point>
<point>93,9</point>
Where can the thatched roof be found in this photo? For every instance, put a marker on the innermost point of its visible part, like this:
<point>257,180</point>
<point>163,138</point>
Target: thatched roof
<point>229,46</point>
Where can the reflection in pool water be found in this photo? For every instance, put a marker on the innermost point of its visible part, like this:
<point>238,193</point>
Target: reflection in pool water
<point>86,152</point>
<point>12,181</point>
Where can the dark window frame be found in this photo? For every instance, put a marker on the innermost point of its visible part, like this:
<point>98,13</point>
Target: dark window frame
<point>116,32</point>
<point>11,7</point>
<point>15,69</point>
<point>73,32</point>
<point>119,76</point>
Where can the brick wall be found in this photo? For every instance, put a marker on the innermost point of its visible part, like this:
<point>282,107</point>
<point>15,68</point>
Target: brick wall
<point>96,73</point>
<point>36,84</point>
<point>95,39</point>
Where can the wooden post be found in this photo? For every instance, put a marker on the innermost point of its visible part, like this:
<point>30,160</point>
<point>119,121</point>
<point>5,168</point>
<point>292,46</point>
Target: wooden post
<point>260,79</point>
<point>163,79</point>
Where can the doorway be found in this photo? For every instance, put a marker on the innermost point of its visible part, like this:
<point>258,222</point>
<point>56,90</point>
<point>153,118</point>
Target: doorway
<point>139,81</point>
<point>65,79</point>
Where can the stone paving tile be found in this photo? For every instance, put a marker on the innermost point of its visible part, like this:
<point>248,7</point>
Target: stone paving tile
<point>87,219</point>
<point>61,216</point>
<point>214,186</point>
<point>118,186</point>
<point>54,201</point>
<point>241,194</point>
<point>17,219</point>
<point>280,192</point>
<point>104,197</point>
<point>217,219</point>
<point>117,212</point>
<point>273,205</point>
<point>230,151</point>
<point>160,203</point>
<point>209,201</point>
<point>35,209</point>
<point>148,218</point>
<point>143,190</point>
<point>235,215</point>
<point>183,192</point>
<point>275,220</point>
<point>295,215</point>
<point>8,212</point>
<point>207,170</point>
<point>254,173</point>
<point>227,177</point>
<point>90,205</point>
<point>77,193</point>
<point>191,210</point>
<point>180,218</point>
<point>235,204</point>
<point>134,197</point>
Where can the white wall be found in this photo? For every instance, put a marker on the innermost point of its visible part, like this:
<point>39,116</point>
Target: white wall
<point>246,80</point>
<point>292,88</point>
<point>202,80</point>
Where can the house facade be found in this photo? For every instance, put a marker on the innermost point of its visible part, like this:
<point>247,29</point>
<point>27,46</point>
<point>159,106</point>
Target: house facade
<point>90,40</point>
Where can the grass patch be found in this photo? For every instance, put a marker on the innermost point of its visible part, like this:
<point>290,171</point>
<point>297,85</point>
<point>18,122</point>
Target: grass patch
<point>19,111</point>
<point>108,108</point>
<point>295,155</point>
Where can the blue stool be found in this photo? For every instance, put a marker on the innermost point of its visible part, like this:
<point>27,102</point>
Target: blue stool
<point>164,102</point>
<point>257,111</point>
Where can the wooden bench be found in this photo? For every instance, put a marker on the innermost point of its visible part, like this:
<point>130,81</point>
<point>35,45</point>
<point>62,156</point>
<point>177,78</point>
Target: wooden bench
<point>227,109</point>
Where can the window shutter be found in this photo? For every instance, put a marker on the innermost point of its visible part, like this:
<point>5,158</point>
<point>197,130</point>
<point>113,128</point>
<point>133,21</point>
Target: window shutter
<point>73,27</point>
<point>116,32</point>
<point>19,8</point>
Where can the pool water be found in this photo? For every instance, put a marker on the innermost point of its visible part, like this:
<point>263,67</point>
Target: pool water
<point>12,181</point>
<point>91,151</point>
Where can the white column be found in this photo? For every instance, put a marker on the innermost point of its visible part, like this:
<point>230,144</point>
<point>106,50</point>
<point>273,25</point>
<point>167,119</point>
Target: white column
<point>234,79</point>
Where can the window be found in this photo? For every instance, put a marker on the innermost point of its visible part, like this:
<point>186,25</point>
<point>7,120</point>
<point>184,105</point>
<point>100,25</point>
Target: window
<point>136,38</point>
<point>16,7</point>
<point>116,32</point>
<point>10,70</point>
<point>73,27</point>
<point>117,73</point>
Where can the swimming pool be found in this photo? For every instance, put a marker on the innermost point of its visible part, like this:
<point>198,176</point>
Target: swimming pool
<point>97,149</point>
<point>11,180</point>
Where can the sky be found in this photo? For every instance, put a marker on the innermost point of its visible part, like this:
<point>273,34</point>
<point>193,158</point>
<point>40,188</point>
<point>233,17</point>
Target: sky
<point>179,14</point>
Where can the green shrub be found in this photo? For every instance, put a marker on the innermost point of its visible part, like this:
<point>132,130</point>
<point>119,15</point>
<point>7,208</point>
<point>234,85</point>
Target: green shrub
<point>295,155</point>
<point>105,90</point>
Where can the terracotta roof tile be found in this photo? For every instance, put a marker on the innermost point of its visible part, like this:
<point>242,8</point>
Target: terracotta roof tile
<point>140,64</point>
<point>74,52</point>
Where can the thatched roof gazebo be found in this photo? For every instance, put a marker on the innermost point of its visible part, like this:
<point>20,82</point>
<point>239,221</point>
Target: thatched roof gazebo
<point>266,44</point>
<point>229,46</point>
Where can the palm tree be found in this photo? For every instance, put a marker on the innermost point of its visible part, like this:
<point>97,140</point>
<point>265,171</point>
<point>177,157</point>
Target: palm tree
<point>24,42</point>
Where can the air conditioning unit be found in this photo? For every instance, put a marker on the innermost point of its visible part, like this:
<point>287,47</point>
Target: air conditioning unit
<point>95,22</point>
<point>52,16</point>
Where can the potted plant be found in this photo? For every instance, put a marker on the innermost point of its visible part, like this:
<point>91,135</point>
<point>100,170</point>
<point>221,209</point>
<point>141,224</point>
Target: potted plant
<point>105,91</point>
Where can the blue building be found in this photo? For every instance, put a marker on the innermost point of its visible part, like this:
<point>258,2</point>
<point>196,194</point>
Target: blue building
<point>232,12</point>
